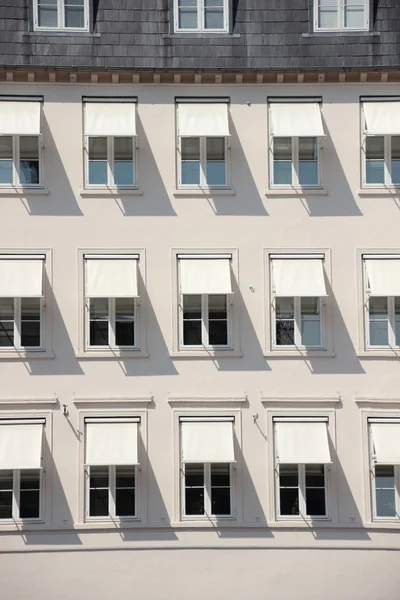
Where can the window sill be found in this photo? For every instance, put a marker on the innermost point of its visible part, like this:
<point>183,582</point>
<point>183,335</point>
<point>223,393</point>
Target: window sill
<point>206,354</point>
<point>360,32</point>
<point>204,192</point>
<point>299,353</point>
<point>379,191</point>
<point>101,192</point>
<point>22,355</point>
<point>111,354</point>
<point>187,522</point>
<point>201,35</point>
<point>387,353</point>
<point>295,192</point>
<point>23,191</point>
<point>61,33</point>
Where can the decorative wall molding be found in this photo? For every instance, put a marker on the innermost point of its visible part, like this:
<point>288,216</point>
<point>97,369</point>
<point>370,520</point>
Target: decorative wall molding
<point>28,402</point>
<point>377,400</point>
<point>112,400</point>
<point>172,399</point>
<point>300,399</point>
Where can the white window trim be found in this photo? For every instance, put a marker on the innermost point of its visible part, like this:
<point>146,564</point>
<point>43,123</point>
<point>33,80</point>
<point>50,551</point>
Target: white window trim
<point>207,496</point>
<point>340,24</point>
<point>302,496</point>
<point>17,329</point>
<point>297,325</point>
<point>303,410</point>
<point>177,350</point>
<point>295,164</point>
<point>16,500</point>
<point>60,18</point>
<point>16,163</point>
<point>373,463</point>
<point>204,325</point>
<point>270,347</point>
<point>110,163</point>
<point>111,497</point>
<point>203,166</point>
<point>112,327</point>
<point>387,158</point>
<point>201,19</point>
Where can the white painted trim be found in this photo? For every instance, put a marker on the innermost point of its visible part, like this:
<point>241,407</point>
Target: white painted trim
<point>300,399</point>
<point>207,399</point>
<point>111,400</point>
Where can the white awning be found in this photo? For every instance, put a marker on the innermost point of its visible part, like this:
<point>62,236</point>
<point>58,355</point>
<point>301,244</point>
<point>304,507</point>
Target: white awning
<point>207,119</point>
<point>112,443</point>
<point>299,277</point>
<point>207,442</point>
<point>20,278</point>
<point>110,118</point>
<point>302,119</point>
<point>384,277</point>
<point>20,118</point>
<point>205,276</point>
<point>302,442</point>
<point>386,437</point>
<point>382,118</point>
<point>111,278</point>
<point>21,446</point>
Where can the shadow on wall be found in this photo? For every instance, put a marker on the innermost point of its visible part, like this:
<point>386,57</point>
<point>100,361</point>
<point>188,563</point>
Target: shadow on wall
<point>61,200</point>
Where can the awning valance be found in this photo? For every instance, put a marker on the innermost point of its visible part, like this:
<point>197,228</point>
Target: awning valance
<point>112,443</point>
<point>21,118</point>
<point>384,276</point>
<point>21,278</point>
<point>386,438</point>
<point>21,445</point>
<point>206,119</point>
<point>205,276</point>
<point>207,442</point>
<point>382,118</point>
<point>301,119</point>
<point>299,277</point>
<point>111,278</point>
<point>110,118</point>
<point>302,442</point>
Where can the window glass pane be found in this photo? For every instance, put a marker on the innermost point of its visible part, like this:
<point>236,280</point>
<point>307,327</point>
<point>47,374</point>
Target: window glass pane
<point>378,321</point>
<point>98,501</point>
<point>30,322</point>
<point>6,321</point>
<point>397,320</point>
<point>385,491</point>
<point>187,14</point>
<point>213,17</point>
<point>74,14</point>
<point>215,149</point>
<point>375,164</point>
<point>284,308</point>
<point>98,161</point>
<point>47,13</point>
<point>354,15</point>
<point>282,161</point>
<point>308,161</point>
<point>217,320</point>
<point>125,491</point>
<point>395,168</point>
<point>123,161</point>
<point>315,490</point>
<point>29,504</point>
<point>310,322</point>
<point>192,320</point>
<point>6,481</point>
<point>125,321</point>
<point>194,489</point>
<point>6,487</point>
<point>98,321</point>
<point>6,156</point>
<point>29,159</point>
<point>220,489</point>
<point>288,490</point>
<point>190,161</point>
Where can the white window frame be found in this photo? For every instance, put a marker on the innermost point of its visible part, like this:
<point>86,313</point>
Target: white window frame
<point>110,162</point>
<point>17,329</point>
<point>295,163</point>
<point>201,19</point>
<point>297,325</point>
<point>387,161</point>
<point>111,496</point>
<point>302,496</point>
<point>60,18</point>
<point>203,185</point>
<point>16,162</point>
<point>204,324</point>
<point>111,327</point>
<point>372,463</point>
<point>16,499</point>
<point>207,495</point>
<point>341,14</point>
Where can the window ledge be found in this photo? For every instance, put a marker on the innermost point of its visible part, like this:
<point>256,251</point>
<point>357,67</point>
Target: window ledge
<point>201,35</point>
<point>205,192</point>
<point>379,191</point>
<point>359,33</point>
<point>23,191</point>
<point>206,354</point>
<point>296,192</point>
<point>393,353</point>
<point>27,356</point>
<point>111,354</point>
<point>299,354</point>
<point>101,192</point>
<point>60,33</point>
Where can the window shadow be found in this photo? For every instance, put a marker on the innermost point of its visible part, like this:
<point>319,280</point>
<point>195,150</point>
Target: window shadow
<point>61,200</point>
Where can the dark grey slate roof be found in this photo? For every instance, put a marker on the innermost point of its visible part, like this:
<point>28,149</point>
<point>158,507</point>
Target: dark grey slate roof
<point>266,34</point>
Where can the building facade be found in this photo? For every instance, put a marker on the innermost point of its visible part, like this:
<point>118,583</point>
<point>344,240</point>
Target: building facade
<point>199,299</point>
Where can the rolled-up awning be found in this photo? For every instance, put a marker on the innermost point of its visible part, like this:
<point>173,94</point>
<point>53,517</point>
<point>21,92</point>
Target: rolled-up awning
<point>206,119</point>
<point>386,438</point>
<point>21,277</point>
<point>111,278</point>
<point>302,442</point>
<point>21,444</point>
<point>20,118</point>
<point>207,441</point>
<point>110,118</point>
<point>205,276</point>
<point>113,442</point>
<point>302,119</point>
<point>382,118</point>
<point>299,277</point>
<point>384,276</point>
